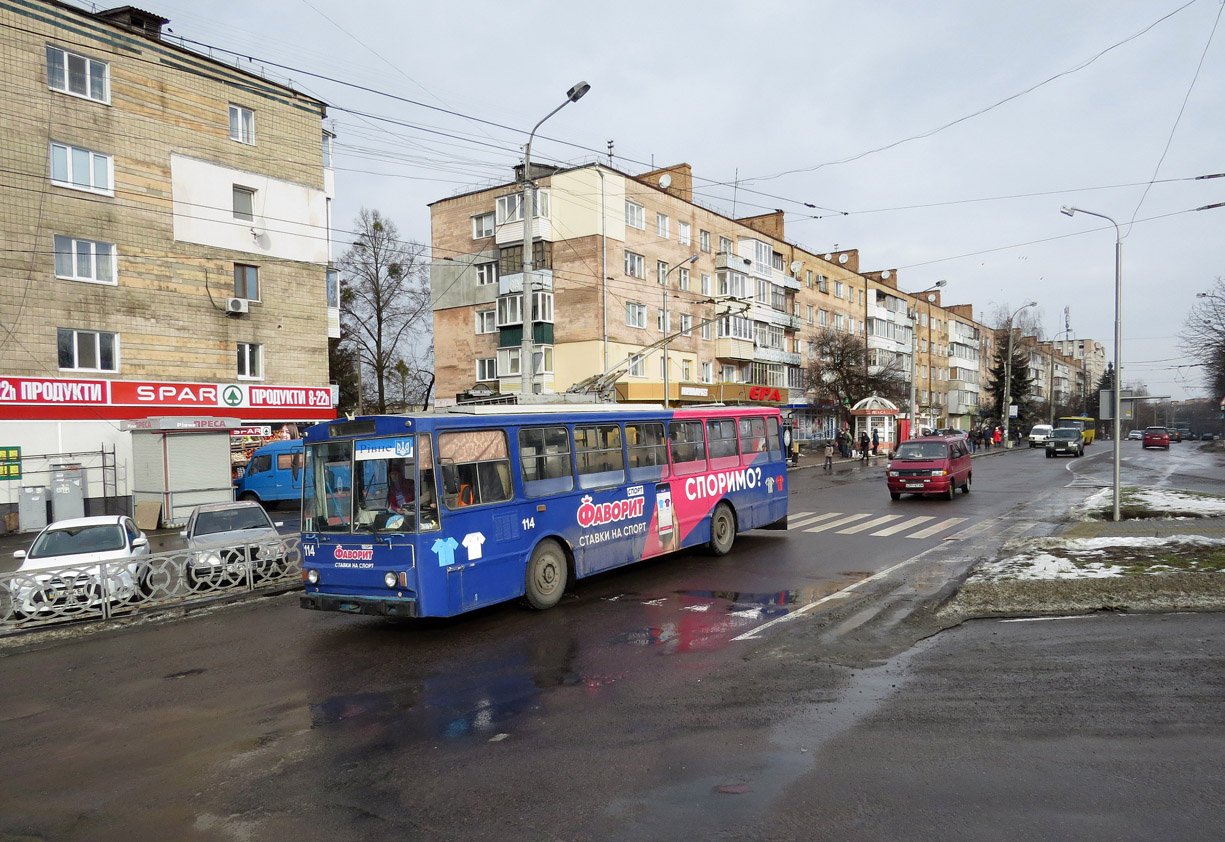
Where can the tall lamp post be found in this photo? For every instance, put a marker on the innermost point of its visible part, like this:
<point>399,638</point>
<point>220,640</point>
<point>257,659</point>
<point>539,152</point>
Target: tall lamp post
<point>1118,341</point>
<point>527,365</point>
<point>663,319</point>
<point>1051,379</point>
<point>1008,373</point>
<point>914,352</point>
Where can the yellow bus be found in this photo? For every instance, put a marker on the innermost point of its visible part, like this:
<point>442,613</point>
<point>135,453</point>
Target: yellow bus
<point>1084,423</point>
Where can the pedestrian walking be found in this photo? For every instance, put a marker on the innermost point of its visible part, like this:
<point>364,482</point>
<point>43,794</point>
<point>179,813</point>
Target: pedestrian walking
<point>998,437</point>
<point>875,442</point>
<point>829,455</point>
<point>865,445</point>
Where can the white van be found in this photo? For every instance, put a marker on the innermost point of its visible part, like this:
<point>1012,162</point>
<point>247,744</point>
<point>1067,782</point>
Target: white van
<point>1040,434</point>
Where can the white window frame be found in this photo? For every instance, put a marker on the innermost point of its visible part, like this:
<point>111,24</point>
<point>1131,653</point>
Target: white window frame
<point>244,214</point>
<point>838,289</point>
<point>101,258</point>
<point>509,209</point>
<point>705,284</point>
<point>704,240</point>
<point>708,372</point>
<point>661,271</point>
<point>682,279</point>
<point>635,215</point>
<point>705,331</point>
<point>242,124</point>
<point>635,265</point>
<point>487,321</point>
<point>59,74</point>
<point>484,225</point>
<point>508,362</point>
<point>684,233</point>
<point>542,307</point>
<point>250,354</point>
<point>660,322</point>
<point>487,369</point>
<point>96,336</point>
<point>662,225</point>
<point>510,311</point>
<point>635,314</point>
<point>637,366</point>
<point>486,273</point>
<point>726,246</point>
<point>687,370</point>
<point>687,324</point>
<point>71,156</point>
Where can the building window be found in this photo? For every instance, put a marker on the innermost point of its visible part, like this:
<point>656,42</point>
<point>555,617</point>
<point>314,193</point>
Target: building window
<point>731,284</point>
<point>509,208</point>
<point>542,307</point>
<point>686,324</point>
<point>246,282</point>
<point>77,75</point>
<point>839,321</point>
<point>823,318</point>
<point>837,289</point>
<point>808,315</point>
<point>250,361</point>
<point>735,327</point>
<point>482,225</point>
<point>486,321</point>
<point>635,265</point>
<point>487,369</point>
<point>333,282</point>
<point>686,370</point>
<point>704,240</point>
<point>808,278</point>
<point>637,366</point>
<point>725,246</point>
<point>87,350</point>
<point>635,314</point>
<point>81,169</point>
<point>822,284</point>
<point>684,234</point>
<point>242,124</point>
<point>84,260</point>
<point>661,271</point>
<point>635,215</point>
<point>328,138</point>
<point>486,274</point>
<point>663,322</point>
<point>682,279</point>
<point>510,311</point>
<point>705,332</point>
<point>708,372</point>
<point>508,361</point>
<point>244,203</point>
<point>661,225</point>
<point>705,284</point>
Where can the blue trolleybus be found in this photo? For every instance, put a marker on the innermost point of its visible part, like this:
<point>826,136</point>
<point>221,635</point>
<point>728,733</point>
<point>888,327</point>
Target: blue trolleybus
<point>435,514</point>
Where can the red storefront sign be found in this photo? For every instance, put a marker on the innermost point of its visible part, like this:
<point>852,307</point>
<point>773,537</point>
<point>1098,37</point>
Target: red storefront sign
<point>54,399</point>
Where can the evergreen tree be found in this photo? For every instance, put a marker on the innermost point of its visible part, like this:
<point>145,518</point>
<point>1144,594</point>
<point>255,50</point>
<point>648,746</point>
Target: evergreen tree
<point>1021,383</point>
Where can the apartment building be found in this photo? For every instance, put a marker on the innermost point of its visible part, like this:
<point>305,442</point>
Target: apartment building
<point>623,263</point>
<point>166,222</point>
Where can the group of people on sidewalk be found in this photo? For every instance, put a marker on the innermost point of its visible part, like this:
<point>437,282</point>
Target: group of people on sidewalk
<point>845,443</point>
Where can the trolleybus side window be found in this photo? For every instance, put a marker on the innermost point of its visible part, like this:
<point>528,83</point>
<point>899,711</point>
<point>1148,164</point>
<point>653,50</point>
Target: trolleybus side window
<point>688,447</point>
<point>598,455</point>
<point>475,468</point>
<point>774,440</point>
<point>721,434</point>
<point>648,452</point>
<point>752,437</point>
<point>544,458</point>
<point>326,506</point>
<point>427,488</point>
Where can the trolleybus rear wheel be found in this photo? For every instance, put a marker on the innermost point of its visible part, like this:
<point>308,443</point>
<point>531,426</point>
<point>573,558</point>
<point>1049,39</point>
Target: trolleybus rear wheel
<point>546,575</point>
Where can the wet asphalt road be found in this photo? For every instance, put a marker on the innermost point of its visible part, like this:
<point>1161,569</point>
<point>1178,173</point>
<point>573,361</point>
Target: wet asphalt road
<point>630,713</point>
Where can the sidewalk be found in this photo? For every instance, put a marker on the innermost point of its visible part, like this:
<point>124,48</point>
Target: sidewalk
<point>815,458</point>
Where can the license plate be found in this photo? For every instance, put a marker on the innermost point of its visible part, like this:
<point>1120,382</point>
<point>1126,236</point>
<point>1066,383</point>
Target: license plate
<point>914,485</point>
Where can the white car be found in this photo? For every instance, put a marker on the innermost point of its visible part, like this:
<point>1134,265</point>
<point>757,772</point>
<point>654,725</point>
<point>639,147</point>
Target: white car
<point>1040,434</point>
<point>70,562</point>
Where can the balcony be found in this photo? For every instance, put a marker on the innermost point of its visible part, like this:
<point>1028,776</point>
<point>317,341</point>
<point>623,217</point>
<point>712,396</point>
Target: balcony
<point>735,349</point>
<point>727,260</point>
<point>509,233</point>
<point>773,355</point>
<point>512,283</point>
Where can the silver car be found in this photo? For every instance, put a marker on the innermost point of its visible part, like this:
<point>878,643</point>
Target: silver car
<point>74,564</point>
<point>223,537</point>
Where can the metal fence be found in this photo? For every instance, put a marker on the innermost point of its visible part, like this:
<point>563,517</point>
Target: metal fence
<point>44,597</point>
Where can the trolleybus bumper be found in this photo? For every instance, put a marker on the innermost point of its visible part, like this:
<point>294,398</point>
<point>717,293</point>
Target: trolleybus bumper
<point>359,605</point>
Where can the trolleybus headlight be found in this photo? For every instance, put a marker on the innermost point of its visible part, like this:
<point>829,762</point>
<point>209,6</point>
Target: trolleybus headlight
<point>389,579</point>
<point>312,576</point>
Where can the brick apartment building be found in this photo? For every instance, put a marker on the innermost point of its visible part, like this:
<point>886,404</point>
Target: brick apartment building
<point>623,261</point>
<point>166,223</point>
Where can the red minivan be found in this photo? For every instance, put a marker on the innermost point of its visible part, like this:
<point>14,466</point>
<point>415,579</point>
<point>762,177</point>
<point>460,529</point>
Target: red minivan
<point>930,465</point>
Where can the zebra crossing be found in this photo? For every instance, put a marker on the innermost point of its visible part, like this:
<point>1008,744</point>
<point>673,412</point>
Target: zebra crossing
<point>881,526</point>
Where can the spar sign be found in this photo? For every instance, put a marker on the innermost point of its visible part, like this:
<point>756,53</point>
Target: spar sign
<point>53,398</point>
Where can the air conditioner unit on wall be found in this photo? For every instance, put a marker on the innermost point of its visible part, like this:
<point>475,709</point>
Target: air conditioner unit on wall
<point>237,305</point>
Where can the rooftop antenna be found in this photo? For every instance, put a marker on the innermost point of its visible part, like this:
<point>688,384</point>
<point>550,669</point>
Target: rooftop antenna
<point>610,153</point>
<point>735,188</point>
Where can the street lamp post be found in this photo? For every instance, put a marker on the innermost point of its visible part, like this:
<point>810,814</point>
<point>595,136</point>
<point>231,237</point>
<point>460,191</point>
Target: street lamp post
<point>1008,373</point>
<point>1118,341</point>
<point>527,350</point>
<point>1051,380</point>
<point>663,319</point>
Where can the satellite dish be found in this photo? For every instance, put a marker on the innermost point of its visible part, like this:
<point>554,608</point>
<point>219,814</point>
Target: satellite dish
<point>829,257</point>
<point>843,258</point>
<point>885,275</point>
<point>665,181</point>
<point>796,266</point>
<point>932,297</point>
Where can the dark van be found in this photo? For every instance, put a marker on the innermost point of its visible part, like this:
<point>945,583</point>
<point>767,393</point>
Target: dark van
<point>930,465</point>
<point>273,474</point>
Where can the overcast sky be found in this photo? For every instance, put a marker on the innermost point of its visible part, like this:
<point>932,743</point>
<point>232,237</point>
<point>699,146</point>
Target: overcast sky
<point>940,139</point>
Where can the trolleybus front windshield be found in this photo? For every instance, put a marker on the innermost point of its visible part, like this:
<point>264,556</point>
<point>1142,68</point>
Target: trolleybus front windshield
<point>369,485</point>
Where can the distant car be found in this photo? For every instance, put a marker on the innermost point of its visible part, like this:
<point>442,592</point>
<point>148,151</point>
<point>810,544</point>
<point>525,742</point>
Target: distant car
<point>1156,437</point>
<point>1135,435</point>
<point>930,465</point>
<point>220,536</point>
<point>1040,434</point>
<point>1065,441</point>
<point>1175,434</point>
<point>68,564</point>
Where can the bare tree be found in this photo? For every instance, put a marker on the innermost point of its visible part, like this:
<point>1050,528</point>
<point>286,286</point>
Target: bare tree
<point>1203,337</point>
<point>839,369</point>
<point>384,300</point>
